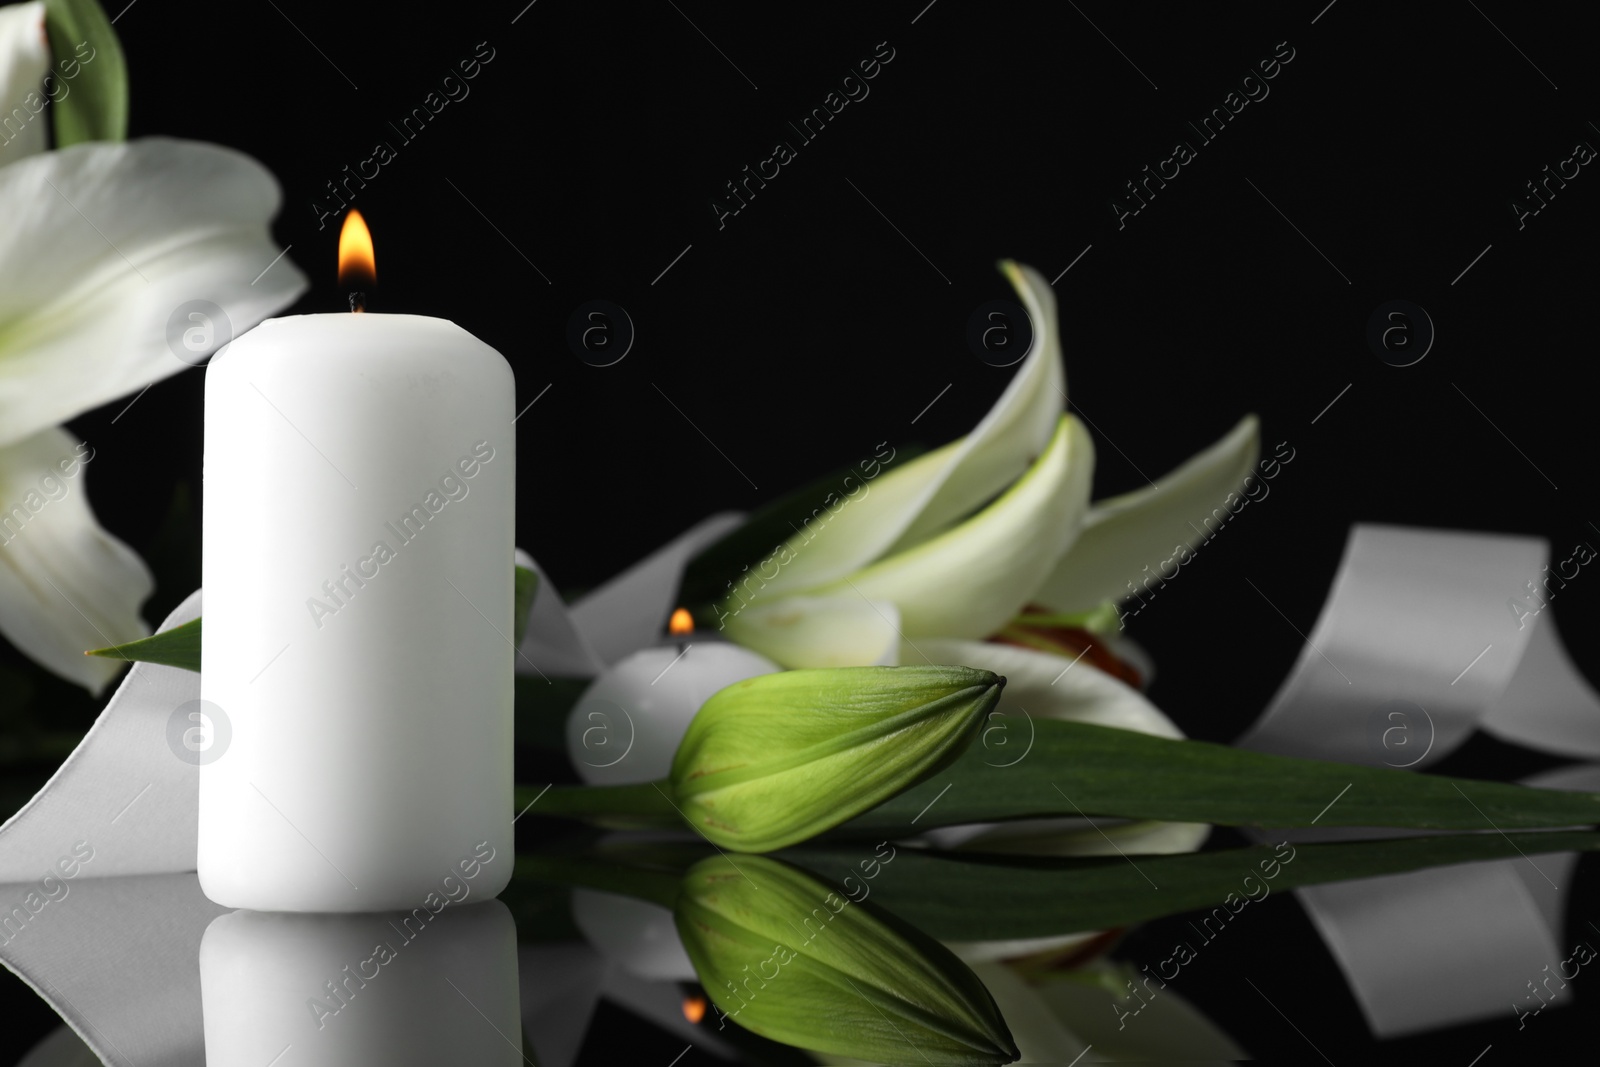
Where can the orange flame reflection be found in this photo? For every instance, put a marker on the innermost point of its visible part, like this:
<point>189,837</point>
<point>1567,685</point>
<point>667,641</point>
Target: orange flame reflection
<point>694,1007</point>
<point>681,624</point>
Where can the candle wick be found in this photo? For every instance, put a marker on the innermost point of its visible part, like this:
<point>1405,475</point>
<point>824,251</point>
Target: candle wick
<point>358,302</point>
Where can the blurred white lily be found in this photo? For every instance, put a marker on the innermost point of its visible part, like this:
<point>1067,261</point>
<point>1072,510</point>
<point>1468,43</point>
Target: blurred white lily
<point>908,556</point>
<point>1126,540</point>
<point>24,59</point>
<point>103,243</point>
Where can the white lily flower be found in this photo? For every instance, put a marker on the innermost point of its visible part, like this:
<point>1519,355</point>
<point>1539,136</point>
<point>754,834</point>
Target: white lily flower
<point>907,556</point>
<point>65,584</point>
<point>24,60</point>
<point>103,245</point>
<point>1126,540</point>
<point>902,555</point>
<point>1123,1014</point>
<point>1042,685</point>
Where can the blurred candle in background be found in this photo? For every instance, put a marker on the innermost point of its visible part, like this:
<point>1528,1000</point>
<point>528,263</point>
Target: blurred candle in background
<point>627,725</point>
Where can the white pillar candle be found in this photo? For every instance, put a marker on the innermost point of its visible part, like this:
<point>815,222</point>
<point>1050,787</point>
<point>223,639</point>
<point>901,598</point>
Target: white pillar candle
<point>627,725</point>
<point>366,989</point>
<point>357,567</point>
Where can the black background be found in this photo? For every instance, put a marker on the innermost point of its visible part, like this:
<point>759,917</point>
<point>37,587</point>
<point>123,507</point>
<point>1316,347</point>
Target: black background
<point>826,315</point>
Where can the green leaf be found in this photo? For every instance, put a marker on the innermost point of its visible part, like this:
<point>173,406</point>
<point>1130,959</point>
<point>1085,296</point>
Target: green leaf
<point>177,647</point>
<point>960,896</point>
<point>706,578</point>
<point>593,870</point>
<point>94,106</point>
<point>643,805</point>
<point>1078,769</point>
<point>527,583</point>
<point>1075,769</point>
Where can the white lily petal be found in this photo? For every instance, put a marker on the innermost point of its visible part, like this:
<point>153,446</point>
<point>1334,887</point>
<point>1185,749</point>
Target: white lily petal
<point>922,497</point>
<point>66,585</point>
<point>1040,1034</point>
<point>845,630</point>
<point>115,239</point>
<point>988,951</point>
<point>1015,430</point>
<point>1040,685</point>
<point>1166,1028</point>
<point>24,61</point>
<point>970,580</point>
<point>1125,534</point>
<point>856,525</point>
<point>1070,837</point>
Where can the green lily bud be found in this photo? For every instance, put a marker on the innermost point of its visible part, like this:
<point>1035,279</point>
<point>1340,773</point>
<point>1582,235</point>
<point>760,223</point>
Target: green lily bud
<point>784,955</point>
<point>776,759</point>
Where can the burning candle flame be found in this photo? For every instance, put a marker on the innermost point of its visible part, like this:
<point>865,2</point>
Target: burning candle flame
<point>694,1008</point>
<point>681,624</point>
<point>358,265</point>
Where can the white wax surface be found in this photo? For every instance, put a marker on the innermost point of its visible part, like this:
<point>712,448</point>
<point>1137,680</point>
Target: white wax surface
<point>371,736</point>
<point>627,725</point>
<point>265,986</point>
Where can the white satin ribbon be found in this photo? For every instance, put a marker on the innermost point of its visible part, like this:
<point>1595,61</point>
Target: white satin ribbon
<point>119,960</point>
<point>628,612</point>
<point>1416,647</point>
<point>123,790</point>
<point>617,619</point>
<point>552,645</point>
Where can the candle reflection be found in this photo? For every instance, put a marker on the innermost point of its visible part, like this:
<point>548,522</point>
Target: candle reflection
<point>354,989</point>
